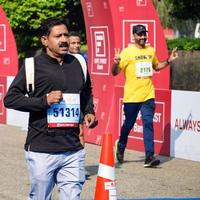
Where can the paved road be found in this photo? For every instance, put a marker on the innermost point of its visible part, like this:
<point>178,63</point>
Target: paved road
<point>175,178</point>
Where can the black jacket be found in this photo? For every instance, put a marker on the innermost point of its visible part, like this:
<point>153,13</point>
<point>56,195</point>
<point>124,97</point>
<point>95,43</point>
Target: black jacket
<point>50,75</point>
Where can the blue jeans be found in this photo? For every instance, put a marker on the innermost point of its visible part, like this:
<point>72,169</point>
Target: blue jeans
<point>67,170</point>
<point>131,110</point>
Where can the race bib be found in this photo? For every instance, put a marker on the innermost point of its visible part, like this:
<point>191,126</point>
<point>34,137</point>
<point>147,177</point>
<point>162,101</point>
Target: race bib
<point>66,113</point>
<point>144,69</point>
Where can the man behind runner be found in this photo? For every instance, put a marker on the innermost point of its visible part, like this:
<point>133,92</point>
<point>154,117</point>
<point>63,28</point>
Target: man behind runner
<point>138,62</point>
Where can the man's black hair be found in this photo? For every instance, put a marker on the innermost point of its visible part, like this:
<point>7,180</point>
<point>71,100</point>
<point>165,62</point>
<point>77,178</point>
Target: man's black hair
<point>74,33</point>
<point>49,23</point>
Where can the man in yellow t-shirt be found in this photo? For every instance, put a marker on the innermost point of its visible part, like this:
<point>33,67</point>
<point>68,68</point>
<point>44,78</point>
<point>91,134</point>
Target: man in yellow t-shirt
<point>138,62</point>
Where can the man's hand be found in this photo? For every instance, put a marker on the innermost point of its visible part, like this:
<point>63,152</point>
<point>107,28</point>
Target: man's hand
<point>162,65</point>
<point>90,120</point>
<point>117,56</point>
<point>54,97</point>
<point>115,68</point>
<point>173,55</point>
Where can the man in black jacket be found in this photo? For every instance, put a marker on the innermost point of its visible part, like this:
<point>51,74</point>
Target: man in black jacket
<point>53,151</point>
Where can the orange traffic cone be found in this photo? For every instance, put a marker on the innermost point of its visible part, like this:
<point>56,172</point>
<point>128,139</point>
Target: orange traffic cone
<point>105,184</point>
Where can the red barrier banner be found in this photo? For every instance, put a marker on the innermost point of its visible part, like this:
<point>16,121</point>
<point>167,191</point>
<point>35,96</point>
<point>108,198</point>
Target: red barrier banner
<point>161,123</point>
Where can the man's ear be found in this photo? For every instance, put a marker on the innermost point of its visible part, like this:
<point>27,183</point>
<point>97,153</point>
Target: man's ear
<point>44,41</point>
<point>133,38</point>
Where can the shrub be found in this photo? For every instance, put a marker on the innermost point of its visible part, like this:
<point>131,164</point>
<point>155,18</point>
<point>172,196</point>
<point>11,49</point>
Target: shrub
<point>187,44</point>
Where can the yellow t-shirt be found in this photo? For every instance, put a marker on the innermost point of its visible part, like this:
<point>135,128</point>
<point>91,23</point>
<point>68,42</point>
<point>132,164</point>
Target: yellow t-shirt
<point>137,65</point>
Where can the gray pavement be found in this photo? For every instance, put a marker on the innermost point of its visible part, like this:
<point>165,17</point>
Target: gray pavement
<point>174,178</point>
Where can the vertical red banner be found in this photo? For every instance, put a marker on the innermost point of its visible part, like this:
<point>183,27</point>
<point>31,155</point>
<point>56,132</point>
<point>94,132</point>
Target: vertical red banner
<point>8,59</point>
<point>8,51</point>
<point>100,42</point>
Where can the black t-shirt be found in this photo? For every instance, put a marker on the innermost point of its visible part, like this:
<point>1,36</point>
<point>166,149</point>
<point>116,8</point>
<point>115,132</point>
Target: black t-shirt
<point>49,76</point>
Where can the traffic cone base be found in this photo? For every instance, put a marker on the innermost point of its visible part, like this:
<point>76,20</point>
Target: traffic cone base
<point>111,187</point>
<point>106,185</point>
<point>105,189</point>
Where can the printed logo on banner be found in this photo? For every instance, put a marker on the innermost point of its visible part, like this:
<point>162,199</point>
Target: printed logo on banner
<point>100,47</point>
<point>90,11</point>
<point>137,130</point>
<point>2,37</point>
<point>100,50</point>
<point>128,36</point>
<point>141,2</point>
<point>1,99</point>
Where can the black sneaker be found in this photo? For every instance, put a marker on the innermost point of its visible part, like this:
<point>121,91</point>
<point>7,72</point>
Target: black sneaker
<point>151,162</point>
<point>119,154</point>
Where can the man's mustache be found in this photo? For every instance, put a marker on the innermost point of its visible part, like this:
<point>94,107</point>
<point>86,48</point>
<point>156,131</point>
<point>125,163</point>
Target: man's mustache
<point>145,39</point>
<point>64,44</point>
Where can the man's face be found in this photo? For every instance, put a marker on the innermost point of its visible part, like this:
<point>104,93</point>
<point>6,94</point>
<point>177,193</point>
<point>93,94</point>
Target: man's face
<point>140,38</point>
<point>74,44</point>
<point>56,42</point>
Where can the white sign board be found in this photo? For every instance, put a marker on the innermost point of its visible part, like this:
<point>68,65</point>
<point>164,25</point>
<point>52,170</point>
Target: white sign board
<point>185,125</point>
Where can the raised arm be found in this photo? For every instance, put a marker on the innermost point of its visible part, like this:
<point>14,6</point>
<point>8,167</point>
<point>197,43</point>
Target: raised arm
<point>172,57</point>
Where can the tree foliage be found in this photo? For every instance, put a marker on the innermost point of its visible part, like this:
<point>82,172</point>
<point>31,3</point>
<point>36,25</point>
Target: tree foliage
<point>163,12</point>
<point>178,9</point>
<point>180,15</point>
<point>184,9</point>
<point>76,19</point>
<point>25,18</point>
<point>184,43</point>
